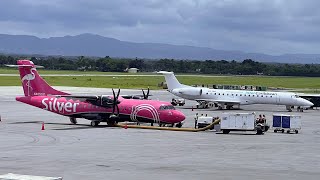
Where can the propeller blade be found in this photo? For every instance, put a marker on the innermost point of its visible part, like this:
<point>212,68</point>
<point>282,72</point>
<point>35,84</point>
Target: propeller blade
<point>114,95</point>
<point>118,94</point>
<point>117,110</point>
<point>144,94</point>
<point>148,93</point>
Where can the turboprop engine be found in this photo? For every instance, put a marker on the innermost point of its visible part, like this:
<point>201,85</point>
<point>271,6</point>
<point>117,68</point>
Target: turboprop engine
<point>188,91</point>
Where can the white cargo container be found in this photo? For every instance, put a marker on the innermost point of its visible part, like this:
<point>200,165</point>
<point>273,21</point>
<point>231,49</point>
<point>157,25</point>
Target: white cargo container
<point>239,122</point>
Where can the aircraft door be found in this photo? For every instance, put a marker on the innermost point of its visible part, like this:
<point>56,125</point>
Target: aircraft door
<point>277,99</point>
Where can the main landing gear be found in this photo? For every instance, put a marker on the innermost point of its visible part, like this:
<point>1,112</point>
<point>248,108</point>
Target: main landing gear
<point>289,108</point>
<point>73,120</point>
<point>94,123</point>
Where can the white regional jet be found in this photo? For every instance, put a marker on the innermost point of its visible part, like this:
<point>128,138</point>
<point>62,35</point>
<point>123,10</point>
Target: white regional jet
<point>228,98</point>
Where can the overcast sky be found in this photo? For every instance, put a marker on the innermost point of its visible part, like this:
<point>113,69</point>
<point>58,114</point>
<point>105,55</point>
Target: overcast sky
<point>264,26</point>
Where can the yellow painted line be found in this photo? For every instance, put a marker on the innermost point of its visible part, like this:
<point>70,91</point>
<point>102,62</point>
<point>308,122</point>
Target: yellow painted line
<point>169,128</point>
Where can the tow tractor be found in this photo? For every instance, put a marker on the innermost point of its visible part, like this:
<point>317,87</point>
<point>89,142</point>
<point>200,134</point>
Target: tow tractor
<point>176,102</point>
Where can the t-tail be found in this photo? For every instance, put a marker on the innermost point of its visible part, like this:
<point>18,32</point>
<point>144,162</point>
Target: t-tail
<point>32,83</point>
<point>171,80</point>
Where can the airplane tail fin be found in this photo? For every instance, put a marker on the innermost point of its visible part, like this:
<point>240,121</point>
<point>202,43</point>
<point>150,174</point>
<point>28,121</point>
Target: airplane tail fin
<point>171,80</point>
<point>32,83</point>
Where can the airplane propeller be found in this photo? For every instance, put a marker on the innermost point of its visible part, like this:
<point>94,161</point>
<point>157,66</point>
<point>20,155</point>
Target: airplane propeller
<point>145,96</point>
<point>115,103</point>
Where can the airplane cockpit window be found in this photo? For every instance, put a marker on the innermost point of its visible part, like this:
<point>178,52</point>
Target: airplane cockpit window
<point>167,107</point>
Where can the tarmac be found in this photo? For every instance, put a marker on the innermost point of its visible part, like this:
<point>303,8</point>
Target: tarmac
<point>83,152</point>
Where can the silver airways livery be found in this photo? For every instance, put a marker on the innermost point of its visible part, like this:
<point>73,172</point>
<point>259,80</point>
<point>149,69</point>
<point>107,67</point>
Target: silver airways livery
<point>228,98</point>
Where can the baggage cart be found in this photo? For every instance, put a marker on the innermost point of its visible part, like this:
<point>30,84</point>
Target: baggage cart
<point>286,123</point>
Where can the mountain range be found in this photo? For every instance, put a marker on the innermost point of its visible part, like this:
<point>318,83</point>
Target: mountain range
<point>99,46</point>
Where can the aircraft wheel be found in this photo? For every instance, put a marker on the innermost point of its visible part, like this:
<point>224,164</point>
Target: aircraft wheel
<point>179,125</point>
<point>111,123</point>
<point>73,120</point>
<point>94,123</point>
<point>225,131</point>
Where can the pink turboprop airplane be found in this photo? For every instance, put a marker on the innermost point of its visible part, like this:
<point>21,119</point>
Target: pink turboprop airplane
<point>95,108</point>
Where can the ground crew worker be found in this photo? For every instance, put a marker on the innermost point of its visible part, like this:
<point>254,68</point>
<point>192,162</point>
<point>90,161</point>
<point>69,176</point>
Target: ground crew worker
<point>195,120</point>
<point>263,120</point>
<point>259,119</point>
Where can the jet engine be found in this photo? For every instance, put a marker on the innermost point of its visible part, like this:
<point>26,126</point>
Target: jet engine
<point>188,91</point>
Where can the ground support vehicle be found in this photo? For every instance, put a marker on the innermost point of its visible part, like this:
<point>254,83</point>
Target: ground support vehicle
<point>241,122</point>
<point>286,123</point>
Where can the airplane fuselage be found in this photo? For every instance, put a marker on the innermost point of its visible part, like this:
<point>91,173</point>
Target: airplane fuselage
<point>240,97</point>
<point>129,109</point>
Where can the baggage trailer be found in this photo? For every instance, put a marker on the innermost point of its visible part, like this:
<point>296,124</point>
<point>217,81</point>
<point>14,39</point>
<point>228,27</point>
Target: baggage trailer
<point>204,121</point>
<point>241,122</point>
<point>288,123</point>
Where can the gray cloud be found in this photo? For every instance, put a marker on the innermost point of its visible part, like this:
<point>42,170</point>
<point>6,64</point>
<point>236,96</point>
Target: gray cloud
<point>273,26</point>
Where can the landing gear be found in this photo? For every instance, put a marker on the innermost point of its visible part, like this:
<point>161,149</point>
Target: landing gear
<point>73,120</point>
<point>179,125</point>
<point>229,107</point>
<point>202,105</point>
<point>94,123</point>
<point>299,109</point>
<point>111,122</point>
<point>289,108</point>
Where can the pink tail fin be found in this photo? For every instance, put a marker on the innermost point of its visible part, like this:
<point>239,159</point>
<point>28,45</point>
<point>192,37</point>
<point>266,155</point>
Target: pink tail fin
<point>33,84</point>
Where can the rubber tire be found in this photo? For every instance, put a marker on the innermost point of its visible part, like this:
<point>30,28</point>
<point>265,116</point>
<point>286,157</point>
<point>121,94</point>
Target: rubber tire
<point>73,120</point>
<point>259,132</point>
<point>296,131</point>
<point>94,123</point>
<point>225,131</point>
<point>275,131</point>
<point>288,131</point>
<point>282,130</point>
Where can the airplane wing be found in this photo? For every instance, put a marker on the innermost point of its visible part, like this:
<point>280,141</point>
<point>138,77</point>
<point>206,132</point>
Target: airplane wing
<point>103,101</point>
<point>80,97</point>
<point>220,101</point>
<point>141,97</point>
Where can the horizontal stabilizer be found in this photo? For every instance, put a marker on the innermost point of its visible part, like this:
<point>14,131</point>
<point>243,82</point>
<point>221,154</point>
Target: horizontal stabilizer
<point>23,65</point>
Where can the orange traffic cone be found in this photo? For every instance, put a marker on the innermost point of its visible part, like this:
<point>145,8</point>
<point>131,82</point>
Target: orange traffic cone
<point>42,127</point>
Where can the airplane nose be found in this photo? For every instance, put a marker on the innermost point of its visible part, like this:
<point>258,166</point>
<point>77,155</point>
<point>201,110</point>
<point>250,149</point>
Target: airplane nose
<point>310,103</point>
<point>307,103</point>
<point>179,116</point>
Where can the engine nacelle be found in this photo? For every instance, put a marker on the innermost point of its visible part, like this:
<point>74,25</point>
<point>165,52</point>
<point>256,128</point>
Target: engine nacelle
<point>188,91</point>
